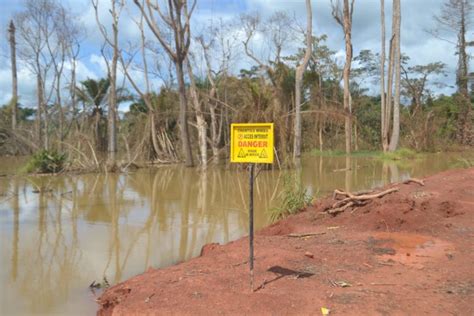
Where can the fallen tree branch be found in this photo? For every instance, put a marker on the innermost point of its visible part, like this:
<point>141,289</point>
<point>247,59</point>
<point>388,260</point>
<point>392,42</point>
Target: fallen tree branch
<point>295,235</point>
<point>341,209</point>
<point>354,199</point>
<point>415,180</point>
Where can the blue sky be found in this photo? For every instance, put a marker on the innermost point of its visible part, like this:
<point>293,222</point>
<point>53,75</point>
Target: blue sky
<point>417,17</point>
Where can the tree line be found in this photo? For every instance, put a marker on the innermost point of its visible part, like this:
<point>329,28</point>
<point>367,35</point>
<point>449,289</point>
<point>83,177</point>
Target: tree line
<point>313,99</point>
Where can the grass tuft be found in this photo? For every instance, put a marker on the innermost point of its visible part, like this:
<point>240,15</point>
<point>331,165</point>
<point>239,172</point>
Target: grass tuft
<point>293,199</point>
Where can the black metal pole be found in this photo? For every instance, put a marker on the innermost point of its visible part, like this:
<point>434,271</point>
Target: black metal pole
<point>251,224</point>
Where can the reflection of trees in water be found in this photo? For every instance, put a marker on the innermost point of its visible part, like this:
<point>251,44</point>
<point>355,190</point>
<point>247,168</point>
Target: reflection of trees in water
<point>44,265</point>
<point>348,174</point>
<point>204,206</point>
<point>16,229</point>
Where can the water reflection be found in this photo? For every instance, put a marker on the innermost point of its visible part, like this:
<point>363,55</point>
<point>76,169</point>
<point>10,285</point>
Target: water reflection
<point>60,233</point>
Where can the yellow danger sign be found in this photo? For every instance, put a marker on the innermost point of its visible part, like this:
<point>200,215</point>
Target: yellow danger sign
<point>251,142</point>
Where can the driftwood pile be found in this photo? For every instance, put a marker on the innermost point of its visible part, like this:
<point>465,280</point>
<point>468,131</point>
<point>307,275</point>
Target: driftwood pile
<point>345,200</point>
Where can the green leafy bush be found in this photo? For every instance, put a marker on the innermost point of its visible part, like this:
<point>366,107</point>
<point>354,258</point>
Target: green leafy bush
<point>293,199</point>
<point>46,161</point>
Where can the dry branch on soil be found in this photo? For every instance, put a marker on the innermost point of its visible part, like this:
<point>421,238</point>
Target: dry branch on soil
<point>294,235</point>
<point>353,199</point>
<point>415,180</point>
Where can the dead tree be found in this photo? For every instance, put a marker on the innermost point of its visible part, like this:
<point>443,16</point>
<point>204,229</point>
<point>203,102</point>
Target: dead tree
<point>215,128</point>
<point>344,18</point>
<point>177,18</point>
<point>396,21</point>
<point>201,124</point>
<point>14,100</point>
<point>456,17</point>
<point>73,52</point>
<point>299,80</point>
<point>216,43</point>
<point>37,25</point>
<point>115,11</point>
<point>146,93</point>
<point>390,103</point>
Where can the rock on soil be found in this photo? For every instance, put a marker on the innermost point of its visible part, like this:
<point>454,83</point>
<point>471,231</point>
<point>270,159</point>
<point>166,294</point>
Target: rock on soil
<point>408,253</point>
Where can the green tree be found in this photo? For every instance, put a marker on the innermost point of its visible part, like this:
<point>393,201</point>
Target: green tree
<point>94,96</point>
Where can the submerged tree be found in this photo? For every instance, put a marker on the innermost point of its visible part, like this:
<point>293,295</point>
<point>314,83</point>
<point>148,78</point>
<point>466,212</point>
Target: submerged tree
<point>177,19</point>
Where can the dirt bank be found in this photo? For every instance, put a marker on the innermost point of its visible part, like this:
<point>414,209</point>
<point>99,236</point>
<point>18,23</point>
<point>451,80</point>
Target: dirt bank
<point>408,253</point>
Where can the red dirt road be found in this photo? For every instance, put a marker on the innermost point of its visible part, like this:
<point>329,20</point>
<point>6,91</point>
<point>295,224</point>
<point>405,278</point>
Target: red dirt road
<point>408,253</point>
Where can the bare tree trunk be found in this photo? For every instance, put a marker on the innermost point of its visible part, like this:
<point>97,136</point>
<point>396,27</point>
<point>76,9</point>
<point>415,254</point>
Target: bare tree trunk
<point>112,74</point>
<point>73,93</point>
<point>183,116</point>
<point>382,78</point>
<point>320,136</point>
<point>200,120</point>
<point>39,109</point>
<point>465,133</point>
<point>299,80</point>
<point>58,68</point>
<point>388,99</point>
<point>14,101</point>
<point>346,75</point>
<point>112,110</point>
<point>60,110</point>
<point>396,60</point>
<point>345,20</point>
<point>216,131</point>
<point>153,131</point>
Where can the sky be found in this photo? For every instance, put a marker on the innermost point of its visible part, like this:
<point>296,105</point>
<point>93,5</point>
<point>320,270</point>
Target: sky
<point>417,18</point>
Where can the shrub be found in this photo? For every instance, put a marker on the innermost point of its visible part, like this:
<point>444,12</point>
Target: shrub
<point>46,161</point>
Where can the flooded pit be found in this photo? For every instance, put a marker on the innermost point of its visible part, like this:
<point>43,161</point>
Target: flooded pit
<point>60,233</point>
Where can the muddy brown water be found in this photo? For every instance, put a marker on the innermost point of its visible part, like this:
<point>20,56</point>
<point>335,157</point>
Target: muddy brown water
<point>60,233</point>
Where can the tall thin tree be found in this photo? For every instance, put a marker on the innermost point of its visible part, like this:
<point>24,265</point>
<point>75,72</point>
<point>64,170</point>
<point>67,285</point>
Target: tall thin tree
<point>344,18</point>
<point>14,101</point>
<point>390,94</point>
<point>299,79</point>
<point>113,42</point>
<point>396,20</point>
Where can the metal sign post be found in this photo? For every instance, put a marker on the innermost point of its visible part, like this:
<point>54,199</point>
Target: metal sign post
<point>252,167</point>
<point>251,143</point>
